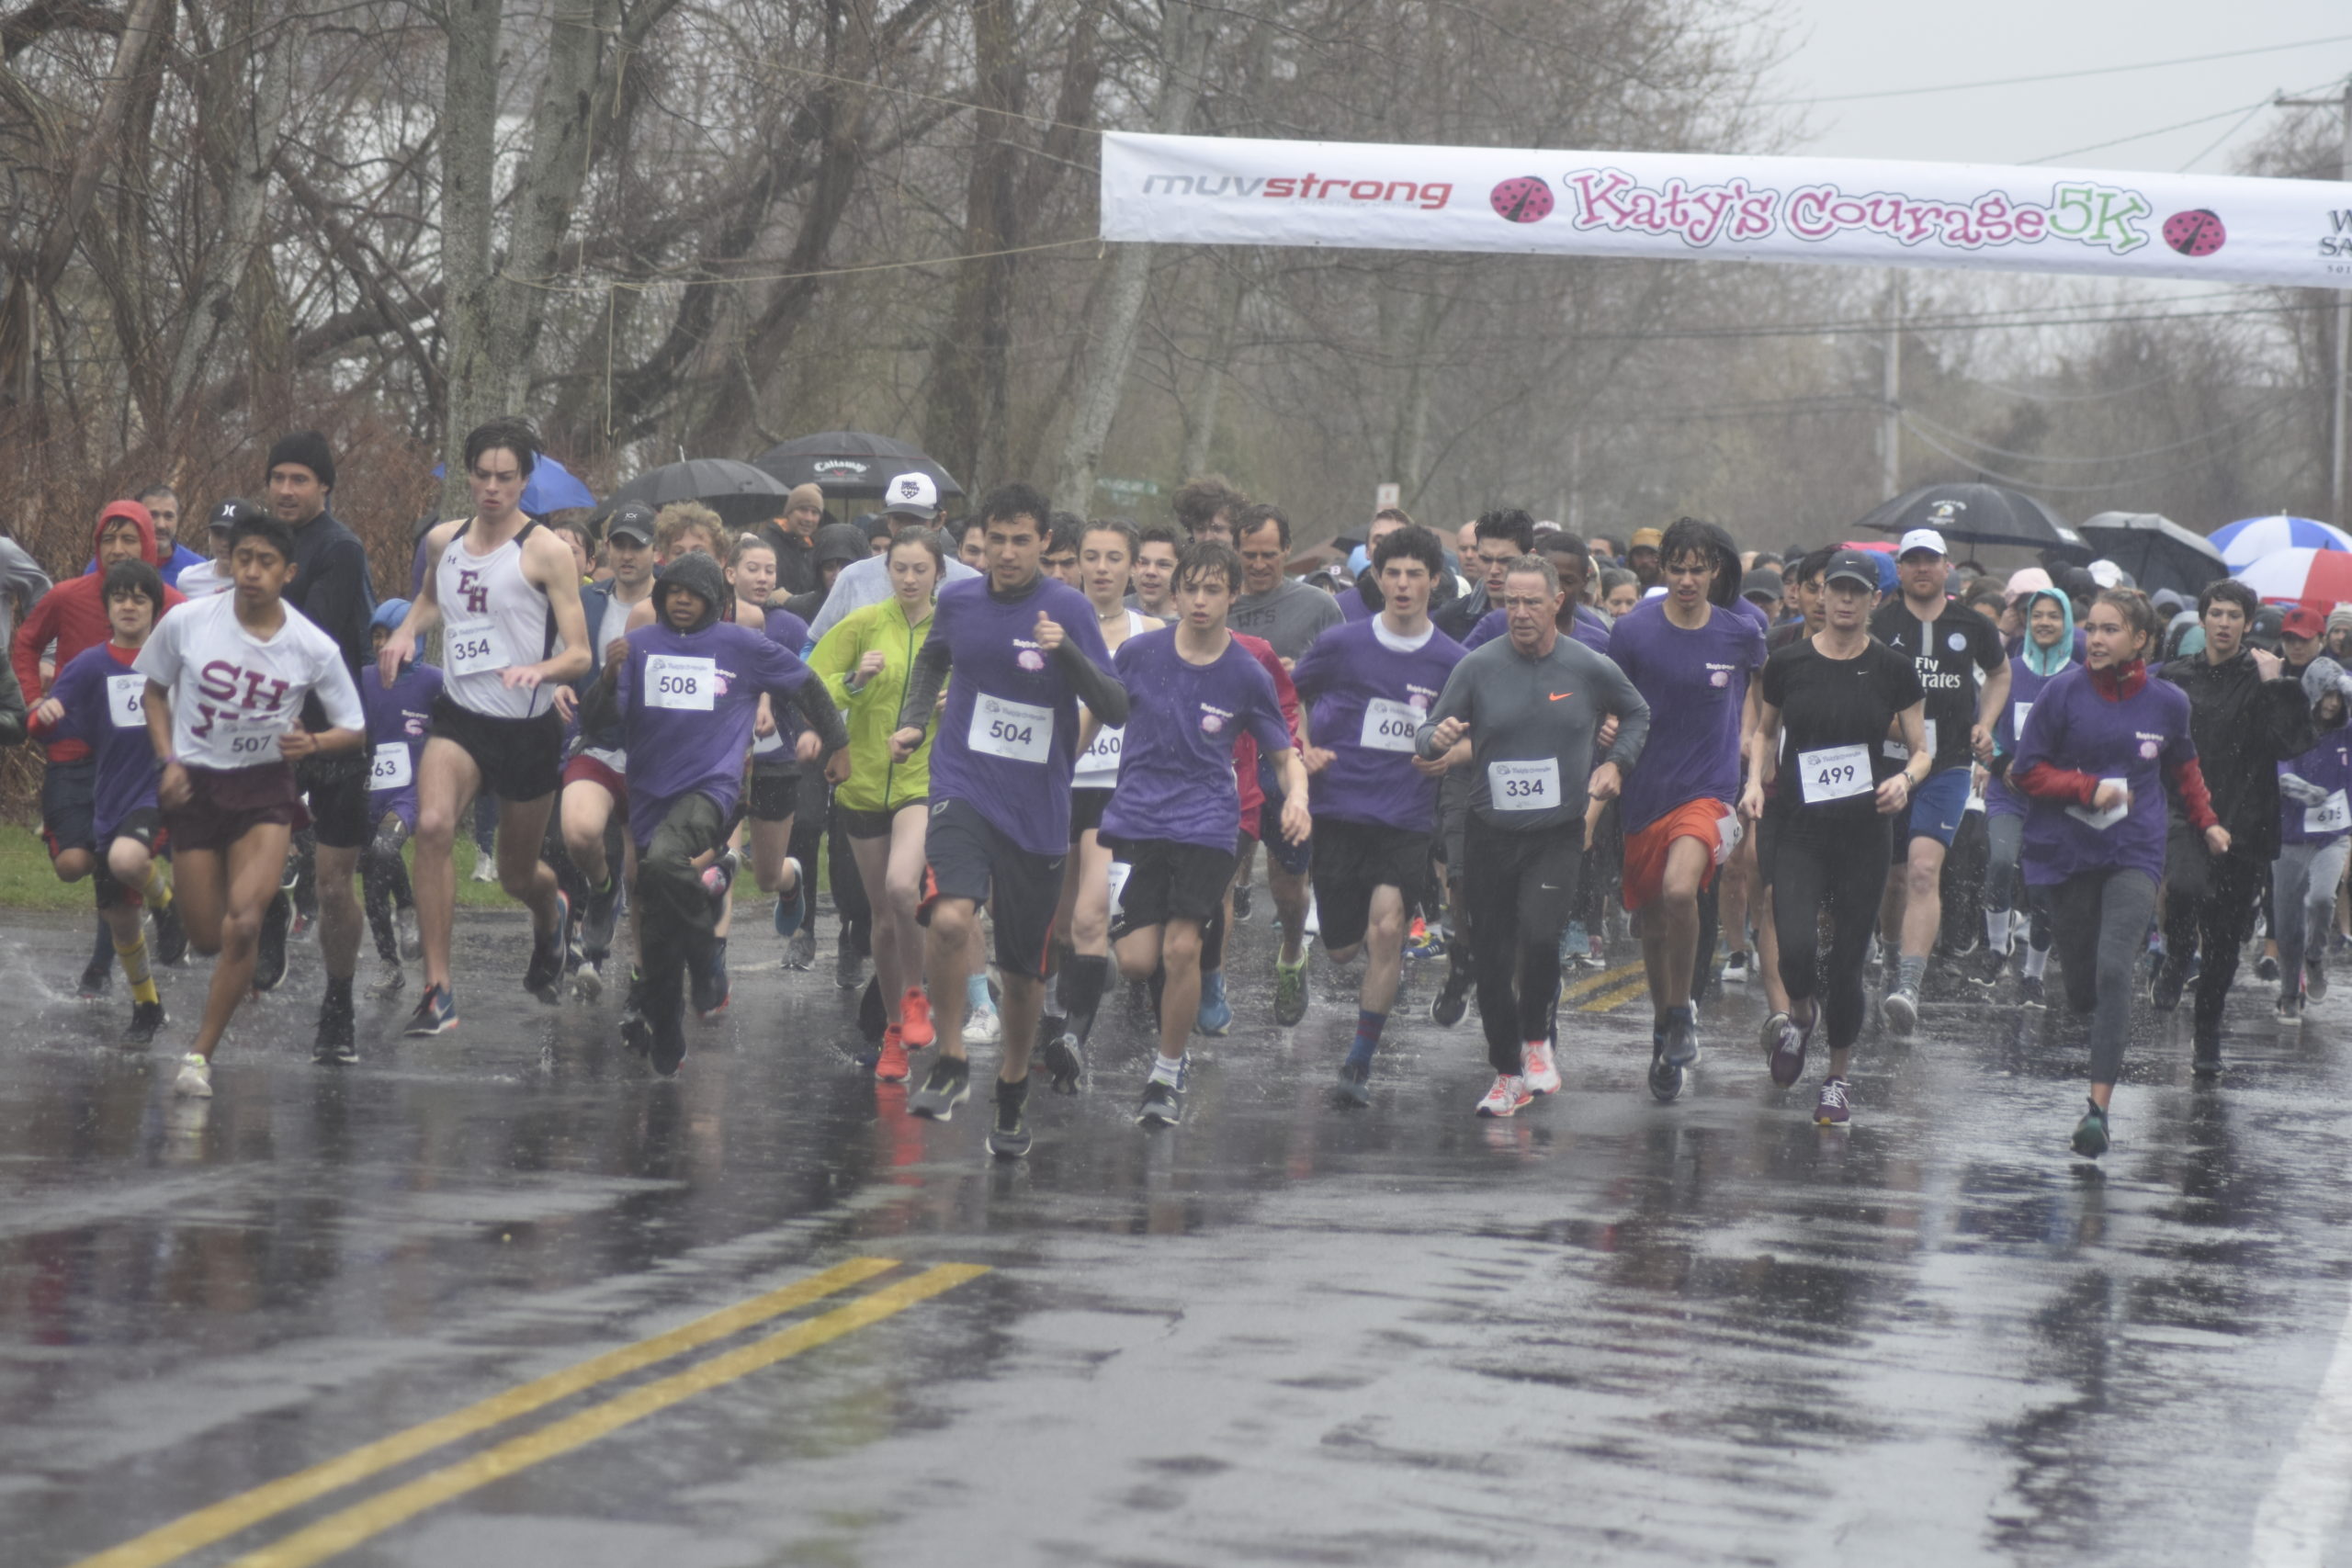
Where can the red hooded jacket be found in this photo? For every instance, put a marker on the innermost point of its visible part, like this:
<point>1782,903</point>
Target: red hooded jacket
<point>73,615</point>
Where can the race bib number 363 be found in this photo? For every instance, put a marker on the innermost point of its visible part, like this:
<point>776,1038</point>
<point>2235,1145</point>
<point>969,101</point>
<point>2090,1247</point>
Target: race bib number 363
<point>388,767</point>
<point>1019,732</point>
<point>680,681</point>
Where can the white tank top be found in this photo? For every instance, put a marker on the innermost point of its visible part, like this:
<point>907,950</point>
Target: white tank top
<point>493,617</point>
<point>1097,765</point>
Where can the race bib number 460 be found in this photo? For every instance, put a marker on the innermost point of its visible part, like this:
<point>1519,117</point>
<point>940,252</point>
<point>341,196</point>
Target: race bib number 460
<point>1388,725</point>
<point>680,681</point>
<point>1525,786</point>
<point>1019,732</point>
<point>1835,773</point>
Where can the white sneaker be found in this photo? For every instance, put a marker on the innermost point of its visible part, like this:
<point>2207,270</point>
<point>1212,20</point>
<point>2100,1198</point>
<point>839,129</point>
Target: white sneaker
<point>1313,924</point>
<point>196,1077</point>
<point>486,868</point>
<point>1736,970</point>
<point>1505,1099</point>
<point>982,1027</point>
<point>1543,1075</point>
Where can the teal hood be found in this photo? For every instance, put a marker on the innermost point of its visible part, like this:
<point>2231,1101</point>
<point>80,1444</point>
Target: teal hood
<point>2049,661</point>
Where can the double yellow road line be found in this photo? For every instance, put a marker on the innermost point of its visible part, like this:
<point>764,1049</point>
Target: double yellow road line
<point>1608,990</point>
<point>348,1527</point>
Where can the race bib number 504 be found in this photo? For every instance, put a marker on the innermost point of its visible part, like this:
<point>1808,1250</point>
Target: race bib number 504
<point>1019,732</point>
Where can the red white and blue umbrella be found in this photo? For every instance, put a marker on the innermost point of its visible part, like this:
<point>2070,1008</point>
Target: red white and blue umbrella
<point>2249,541</point>
<point>2322,579</point>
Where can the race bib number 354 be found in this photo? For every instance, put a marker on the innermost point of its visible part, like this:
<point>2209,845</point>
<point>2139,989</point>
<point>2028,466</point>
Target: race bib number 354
<point>471,647</point>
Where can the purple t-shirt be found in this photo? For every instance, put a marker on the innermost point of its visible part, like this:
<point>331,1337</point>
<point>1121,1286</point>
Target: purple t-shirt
<point>2329,766</point>
<point>1364,699</point>
<point>111,719</point>
<point>1696,683</point>
<point>398,718</point>
<point>688,717</point>
<point>1008,738</point>
<point>2025,690</point>
<point>1176,765</point>
<point>1586,627</point>
<point>775,754</point>
<point>2137,740</point>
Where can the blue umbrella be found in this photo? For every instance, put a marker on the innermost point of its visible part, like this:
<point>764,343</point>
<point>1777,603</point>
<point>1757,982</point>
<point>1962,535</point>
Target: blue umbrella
<point>551,487</point>
<point>2243,543</point>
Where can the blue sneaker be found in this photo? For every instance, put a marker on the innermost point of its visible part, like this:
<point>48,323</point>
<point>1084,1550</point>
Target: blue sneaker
<point>1216,1017</point>
<point>1573,943</point>
<point>793,907</point>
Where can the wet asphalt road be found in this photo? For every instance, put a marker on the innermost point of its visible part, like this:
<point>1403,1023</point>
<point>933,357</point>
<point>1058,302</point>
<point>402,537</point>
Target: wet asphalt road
<point>1601,1331</point>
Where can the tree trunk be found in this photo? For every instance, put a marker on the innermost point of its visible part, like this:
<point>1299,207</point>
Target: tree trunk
<point>1200,434</point>
<point>469,161</point>
<point>1183,55</point>
<point>968,374</point>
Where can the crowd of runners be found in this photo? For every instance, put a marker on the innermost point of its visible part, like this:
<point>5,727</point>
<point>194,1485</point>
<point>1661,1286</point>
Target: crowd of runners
<point>1037,747</point>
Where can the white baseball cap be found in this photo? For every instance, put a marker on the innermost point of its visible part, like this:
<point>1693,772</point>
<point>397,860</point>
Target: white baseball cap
<point>911,495</point>
<point>1920,539</point>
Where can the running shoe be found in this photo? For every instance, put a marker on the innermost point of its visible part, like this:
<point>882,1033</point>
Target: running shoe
<point>1063,1057</point>
<point>1008,1134</point>
<point>437,1013</point>
<point>1738,969</point>
<point>485,865</point>
<point>269,952</point>
<point>792,907</point>
<point>945,1087</point>
<point>1241,901</point>
<point>588,980</point>
<point>2205,1060</point>
<point>1453,998</point>
<point>337,1044</point>
<point>97,978</point>
<point>1902,1011</point>
<point>849,966</point>
<point>1508,1094</point>
<point>1681,1040</point>
<point>2265,968</point>
<point>2314,979</point>
<point>1788,1044</point>
<point>170,937</point>
<point>2029,993</point>
<point>711,988</point>
<point>1831,1110</point>
<point>404,932</point>
<point>1768,1036</point>
<point>1542,1072</point>
<point>1666,1079</point>
<point>1290,990</point>
<point>196,1077</point>
<point>394,981</point>
<point>1163,1102</point>
<point>1422,943</point>
<point>1594,958</point>
<point>914,1019</point>
<point>146,1018</point>
<point>983,1025</point>
<point>1572,944</point>
<point>1986,970</point>
<point>2289,1011</point>
<point>800,949</point>
<point>545,974</point>
<point>2090,1132</point>
<point>667,1048</point>
<point>599,919</point>
<point>1215,1016</point>
<point>891,1062</point>
<point>2164,986</point>
<point>1354,1086</point>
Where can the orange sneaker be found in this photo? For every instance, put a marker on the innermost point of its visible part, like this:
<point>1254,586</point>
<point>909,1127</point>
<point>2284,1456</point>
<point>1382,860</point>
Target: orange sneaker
<point>890,1066</point>
<point>914,1018</point>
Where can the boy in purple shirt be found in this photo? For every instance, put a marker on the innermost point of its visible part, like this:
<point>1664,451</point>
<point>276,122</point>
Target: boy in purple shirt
<point>98,699</point>
<point>1025,649</point>
<point>686,691</point>
<point>399,715</point>
<point>1363,690</point>
<point>1690,653</point>
<point>1192,691</point>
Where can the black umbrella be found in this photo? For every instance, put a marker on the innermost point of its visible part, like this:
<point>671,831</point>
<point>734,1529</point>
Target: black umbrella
<point>1979,514</point>
<point>2156,551</point>
<point>850,464</point>
<point>739,494</point>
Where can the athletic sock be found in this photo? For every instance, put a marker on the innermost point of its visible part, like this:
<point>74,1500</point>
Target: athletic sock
<point>1996,930</point>
<point>1084,980</point>
<point>1012,1091</point>
<point>339,992</point>
<point>1911,970</point>
<point>1167,1072</point>
<point>2037,959</point>
<point>976,992</point>
<point>134,969</point>
<point>157,889</point>
<point>1367,1040</point>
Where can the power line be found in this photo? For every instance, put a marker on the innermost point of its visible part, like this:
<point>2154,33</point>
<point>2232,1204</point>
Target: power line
<point>2247,109</point>
<point>2054,76</point>
<point>2025,484</point>
<point>2201,438</point>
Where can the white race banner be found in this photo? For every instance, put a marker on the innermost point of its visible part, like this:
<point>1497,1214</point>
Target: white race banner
<point>1234,191</point>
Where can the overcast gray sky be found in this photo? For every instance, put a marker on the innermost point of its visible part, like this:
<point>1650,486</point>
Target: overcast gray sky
<point>1838,47</point>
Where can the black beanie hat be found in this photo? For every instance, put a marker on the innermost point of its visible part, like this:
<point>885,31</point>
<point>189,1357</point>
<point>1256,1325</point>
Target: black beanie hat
<point>309,448</point>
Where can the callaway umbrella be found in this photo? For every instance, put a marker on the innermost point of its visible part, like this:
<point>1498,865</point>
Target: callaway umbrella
<point>552,486</point>
<point>739,494</point>
<point>1979,514</point>
<point>2322,579</point>
<point>2249,540</point>
<point>851,465</point>
<point>2156,551</point>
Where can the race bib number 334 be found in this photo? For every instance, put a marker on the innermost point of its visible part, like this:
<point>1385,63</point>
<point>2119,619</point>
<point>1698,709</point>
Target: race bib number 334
<point>1532,785</point>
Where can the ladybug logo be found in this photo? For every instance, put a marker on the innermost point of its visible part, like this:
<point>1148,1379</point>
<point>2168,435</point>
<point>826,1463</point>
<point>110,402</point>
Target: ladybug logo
<point>1527,199</point>
<point>1031,661</point>
<point>2197,232</point>
<point>1211,724</point>
<point>2148,749</point>
<point>1720,678</point>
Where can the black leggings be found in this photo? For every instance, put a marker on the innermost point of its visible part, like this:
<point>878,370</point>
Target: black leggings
<point>2100,919</point>
<point>1841,867</point>
<point>2219,921</point>
<point>1518,891</point>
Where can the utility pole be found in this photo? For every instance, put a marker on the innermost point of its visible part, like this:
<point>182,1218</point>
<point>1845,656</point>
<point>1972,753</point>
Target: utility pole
<point>1891,391</point>
<point>2336,476</point>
